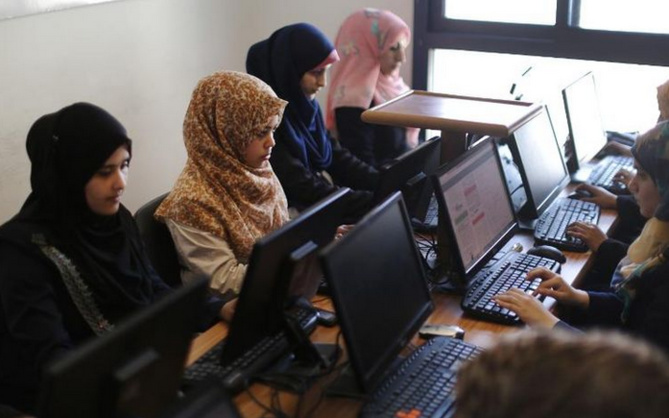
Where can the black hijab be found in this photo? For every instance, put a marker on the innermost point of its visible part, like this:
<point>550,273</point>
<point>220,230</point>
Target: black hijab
<point>66,148</point>
<point>281,61</point>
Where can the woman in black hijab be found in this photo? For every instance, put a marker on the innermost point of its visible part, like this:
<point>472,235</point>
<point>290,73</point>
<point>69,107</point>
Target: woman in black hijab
<point>71,261</point>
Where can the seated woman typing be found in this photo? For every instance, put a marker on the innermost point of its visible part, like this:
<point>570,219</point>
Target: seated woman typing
<point>609,250</point>
<point>73,263</point>
<point>309,164</point>
<point>372,45</point>
<point>227,196</point>
<point>638,299</point>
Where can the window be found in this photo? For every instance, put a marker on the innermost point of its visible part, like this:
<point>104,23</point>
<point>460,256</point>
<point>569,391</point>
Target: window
<point>626,92</point>
<point>477,47</point>
<point>538,12</point>
<point>643,16</point>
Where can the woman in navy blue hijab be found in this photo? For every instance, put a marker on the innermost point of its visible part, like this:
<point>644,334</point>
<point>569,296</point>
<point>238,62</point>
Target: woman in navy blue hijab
<point>309,163</point>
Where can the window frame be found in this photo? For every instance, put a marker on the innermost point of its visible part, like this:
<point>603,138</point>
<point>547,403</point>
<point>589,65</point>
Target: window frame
<point>563,40</point>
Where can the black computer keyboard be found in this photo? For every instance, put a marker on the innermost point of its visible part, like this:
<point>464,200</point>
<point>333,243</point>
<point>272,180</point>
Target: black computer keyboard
<point>508,272</point>
<point>602,174</point>
<point>552,225</point>
<point>422,385</point>
<point>238,374</point>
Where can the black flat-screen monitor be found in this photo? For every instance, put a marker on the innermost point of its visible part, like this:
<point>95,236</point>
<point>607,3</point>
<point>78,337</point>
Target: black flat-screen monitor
<point>477,211</point>
<point>261,304</point>
<point>408,173</point>
<point>134,370</point>
<point>584,119</point>
<point>379,289</point>
<point>537,154</point>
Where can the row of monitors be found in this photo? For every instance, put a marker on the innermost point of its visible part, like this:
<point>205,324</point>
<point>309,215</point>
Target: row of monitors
<point>136,369</point>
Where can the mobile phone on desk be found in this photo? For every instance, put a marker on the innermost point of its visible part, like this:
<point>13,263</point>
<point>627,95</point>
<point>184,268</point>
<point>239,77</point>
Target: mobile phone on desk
<point>434,330</point>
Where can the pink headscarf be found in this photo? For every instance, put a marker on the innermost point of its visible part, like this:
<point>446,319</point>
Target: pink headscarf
<point>356,79</point>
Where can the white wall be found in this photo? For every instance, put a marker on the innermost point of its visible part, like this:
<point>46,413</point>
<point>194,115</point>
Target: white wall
<point>139,59</point>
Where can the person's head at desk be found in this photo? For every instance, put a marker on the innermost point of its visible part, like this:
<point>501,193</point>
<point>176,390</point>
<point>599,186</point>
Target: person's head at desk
<point>562,375</point>
<point>372,45</point>
<point>73,263</point>
<point>294,61</point>
<point>227,195</point>
<point>638,299</point>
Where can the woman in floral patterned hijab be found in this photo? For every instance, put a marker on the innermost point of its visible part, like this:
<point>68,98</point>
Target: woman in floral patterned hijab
<point>227,196</point>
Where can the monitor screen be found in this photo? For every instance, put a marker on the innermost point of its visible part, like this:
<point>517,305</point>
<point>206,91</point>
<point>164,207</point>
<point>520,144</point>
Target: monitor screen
<point>378,287</point>
<point>472,194</point>
<point>134,370</point>
<point>539,159</point>
<point>259,311</point>
<point>585,122</point>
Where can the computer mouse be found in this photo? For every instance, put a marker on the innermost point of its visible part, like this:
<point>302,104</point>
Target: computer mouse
<point>548,252</point>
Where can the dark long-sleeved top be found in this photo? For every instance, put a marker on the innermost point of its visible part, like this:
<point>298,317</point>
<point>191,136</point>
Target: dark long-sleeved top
<point>631,222</point>
<point>39,322</point>
<point>373,144</point>
<point>304,186</point>
<point>614,248</point>
<point>648,315</point>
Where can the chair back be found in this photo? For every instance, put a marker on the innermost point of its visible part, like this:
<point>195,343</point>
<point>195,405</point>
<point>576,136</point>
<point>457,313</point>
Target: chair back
<point>158,242</point>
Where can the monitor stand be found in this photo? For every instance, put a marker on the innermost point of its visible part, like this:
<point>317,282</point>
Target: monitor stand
<point>307,361</point>
<point>346,385</point>
<point>527,224</point>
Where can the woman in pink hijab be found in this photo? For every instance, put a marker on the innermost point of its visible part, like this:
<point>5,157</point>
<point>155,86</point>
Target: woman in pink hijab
<point>372,46</point>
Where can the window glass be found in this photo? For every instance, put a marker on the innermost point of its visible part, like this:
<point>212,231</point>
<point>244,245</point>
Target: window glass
<point>538,12</point>
<point>627,92</point>
<point>645,16</point>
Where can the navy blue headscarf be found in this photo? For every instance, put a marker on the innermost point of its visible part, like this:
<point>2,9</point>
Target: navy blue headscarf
<point>281,61</point>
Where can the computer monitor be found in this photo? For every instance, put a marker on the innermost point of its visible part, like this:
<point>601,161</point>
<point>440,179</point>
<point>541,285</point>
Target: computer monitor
<point>477,210</point>
<point>584,119</point>
<point>379,289</point>
<point>134,370</point>
<point>260,307</point>
<point>537,154</point>
<point>407,173</point>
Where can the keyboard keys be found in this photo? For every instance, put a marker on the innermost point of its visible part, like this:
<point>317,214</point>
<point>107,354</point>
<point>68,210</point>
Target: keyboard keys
<point>552,225</point>
<point>511,272</point>
<point>607,168</point>
<point>422,385</point>
<point>236,375</point>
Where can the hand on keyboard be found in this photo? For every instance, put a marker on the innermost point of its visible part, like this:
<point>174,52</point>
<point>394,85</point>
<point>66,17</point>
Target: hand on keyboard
<point>599,196</point>
<point>589,233</point>
<point>623,176</point>
<point>530,310</point>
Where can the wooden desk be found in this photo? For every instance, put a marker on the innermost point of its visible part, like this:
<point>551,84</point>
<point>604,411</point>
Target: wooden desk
<point>454,115</point>
<point>447,310</point>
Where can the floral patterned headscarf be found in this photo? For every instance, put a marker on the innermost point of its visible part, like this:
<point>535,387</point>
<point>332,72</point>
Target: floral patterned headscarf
<point>217,191</point>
